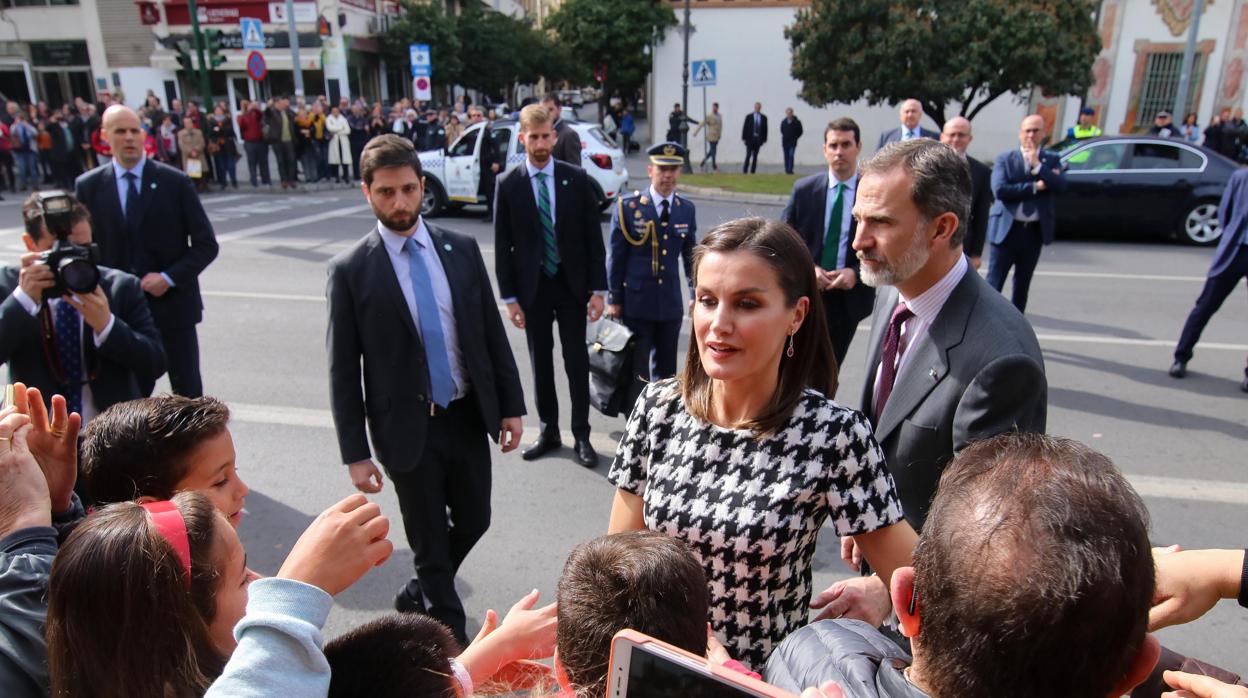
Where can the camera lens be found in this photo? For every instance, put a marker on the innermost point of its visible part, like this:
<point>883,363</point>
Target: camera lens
<point>79,275</point>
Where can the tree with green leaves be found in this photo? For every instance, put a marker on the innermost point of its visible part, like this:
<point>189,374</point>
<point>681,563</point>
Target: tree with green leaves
<point>610,33</point>
<point>942,52</point>
<point>499,51</point>
<point>426,23</point>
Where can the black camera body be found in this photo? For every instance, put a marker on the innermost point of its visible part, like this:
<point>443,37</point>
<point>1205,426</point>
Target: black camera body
<point>75,268</point>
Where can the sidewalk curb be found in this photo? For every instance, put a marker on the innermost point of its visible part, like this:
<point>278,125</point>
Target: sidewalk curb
<point>717,194</point>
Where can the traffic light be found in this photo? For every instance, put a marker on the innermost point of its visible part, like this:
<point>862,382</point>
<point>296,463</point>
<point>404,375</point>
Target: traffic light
<point>212,39</point>
<point>184,56</point>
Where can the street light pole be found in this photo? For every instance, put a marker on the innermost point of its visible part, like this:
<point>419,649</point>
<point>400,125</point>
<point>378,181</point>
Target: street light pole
<point>197,38</point>
<point>684,96</point>
<point>1189,55</point>
<point>294,47</point>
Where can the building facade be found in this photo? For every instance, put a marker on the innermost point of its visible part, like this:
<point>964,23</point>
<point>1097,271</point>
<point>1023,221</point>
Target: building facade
<point>1136,75</point>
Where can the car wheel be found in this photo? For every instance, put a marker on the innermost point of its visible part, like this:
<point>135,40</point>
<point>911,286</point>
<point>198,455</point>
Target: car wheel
<point>434,201</point>
<point>1200,226</point>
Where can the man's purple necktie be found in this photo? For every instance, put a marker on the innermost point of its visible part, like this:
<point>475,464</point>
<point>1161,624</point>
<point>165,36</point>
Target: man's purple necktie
<point>888,361</point>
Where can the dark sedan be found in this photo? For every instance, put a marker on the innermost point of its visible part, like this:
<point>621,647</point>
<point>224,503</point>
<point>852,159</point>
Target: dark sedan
<point>1142,185</point>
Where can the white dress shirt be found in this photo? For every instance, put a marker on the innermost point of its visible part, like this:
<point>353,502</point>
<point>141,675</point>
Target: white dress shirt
<point>1035,214</point>
<point>549,170</point>
<point>123,191</point>
<point>926,307</point>
<point>400,259</point>
<point>656,198</point>
<point>847,212</point>
<point>89,410</point>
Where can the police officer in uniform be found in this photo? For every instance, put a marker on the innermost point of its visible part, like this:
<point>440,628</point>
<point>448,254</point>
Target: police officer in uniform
<point>650,230</point>
<point>1086,128</point>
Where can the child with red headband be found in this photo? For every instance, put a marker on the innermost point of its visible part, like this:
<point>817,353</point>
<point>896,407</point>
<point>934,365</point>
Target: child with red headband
<point>145,600</point>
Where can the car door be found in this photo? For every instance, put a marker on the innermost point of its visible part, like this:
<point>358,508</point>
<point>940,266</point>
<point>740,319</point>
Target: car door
<point>508,149</point>
<point>1093,171</point>
<point>463,168</point>
<point>1162,178</point>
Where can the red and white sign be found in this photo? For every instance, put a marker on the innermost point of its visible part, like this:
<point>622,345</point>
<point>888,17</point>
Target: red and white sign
<point>422,89</point>
<point>257,69</point>
<point>230,11</point>
<point>148,13</point>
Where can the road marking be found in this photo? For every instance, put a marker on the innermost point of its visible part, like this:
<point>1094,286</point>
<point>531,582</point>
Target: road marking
<point>1151,486</point>
<point>1127,277</point>
<point>288,224</point>
<point>222,199</point>
<point>246,295</point>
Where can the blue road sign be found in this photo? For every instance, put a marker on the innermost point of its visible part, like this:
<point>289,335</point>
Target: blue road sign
<point>421,67</point>
<point>704,73</point>
<point>253,35</point>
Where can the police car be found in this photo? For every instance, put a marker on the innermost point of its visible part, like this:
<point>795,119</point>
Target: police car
<point>451,177</point>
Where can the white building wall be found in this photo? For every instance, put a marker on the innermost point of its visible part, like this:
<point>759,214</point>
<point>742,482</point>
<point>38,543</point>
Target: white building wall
<point>753,62</point>
<point>1142,21</point>
<point>135,82</point>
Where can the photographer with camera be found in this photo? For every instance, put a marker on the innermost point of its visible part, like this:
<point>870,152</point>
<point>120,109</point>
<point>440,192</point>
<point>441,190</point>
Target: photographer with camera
<point>69,326</point>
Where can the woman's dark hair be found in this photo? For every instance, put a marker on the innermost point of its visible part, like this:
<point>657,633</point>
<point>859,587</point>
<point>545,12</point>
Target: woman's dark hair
<point>642,580</point>
<point>121,622</point>
<point>395,656</point>
<point>813,364</point>
<point>142,448</point>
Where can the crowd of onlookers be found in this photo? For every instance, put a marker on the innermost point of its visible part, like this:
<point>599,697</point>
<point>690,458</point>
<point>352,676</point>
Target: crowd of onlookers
<point>311,140</point>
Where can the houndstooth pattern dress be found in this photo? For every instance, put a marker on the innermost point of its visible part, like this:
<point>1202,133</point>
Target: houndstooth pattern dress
<point>751,509</point>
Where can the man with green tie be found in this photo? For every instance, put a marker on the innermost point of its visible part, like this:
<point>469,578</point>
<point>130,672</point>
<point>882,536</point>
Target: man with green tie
<point>819,209</point>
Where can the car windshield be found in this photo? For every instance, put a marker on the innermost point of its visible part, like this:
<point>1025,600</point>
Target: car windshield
<point>602,137</point>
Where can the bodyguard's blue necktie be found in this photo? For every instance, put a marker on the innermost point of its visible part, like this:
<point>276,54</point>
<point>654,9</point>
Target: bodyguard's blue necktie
<point>441,384</point>
<point>68,325</point>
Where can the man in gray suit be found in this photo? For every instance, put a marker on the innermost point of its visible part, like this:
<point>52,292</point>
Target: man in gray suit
<point>911,113</point>
<point>950,361</point>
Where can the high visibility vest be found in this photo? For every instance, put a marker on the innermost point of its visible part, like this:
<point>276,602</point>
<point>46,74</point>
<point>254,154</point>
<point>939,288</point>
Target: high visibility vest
<point>1086,131</point>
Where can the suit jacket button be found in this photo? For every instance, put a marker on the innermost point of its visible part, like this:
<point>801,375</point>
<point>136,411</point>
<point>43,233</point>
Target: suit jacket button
<point>664,251</point>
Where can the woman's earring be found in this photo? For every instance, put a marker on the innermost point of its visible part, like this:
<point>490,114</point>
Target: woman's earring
<point>789,353</point>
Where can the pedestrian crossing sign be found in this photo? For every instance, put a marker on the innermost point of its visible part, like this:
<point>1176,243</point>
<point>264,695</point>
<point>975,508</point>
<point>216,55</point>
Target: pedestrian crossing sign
<point>704,73</point>
<point>253,35</point>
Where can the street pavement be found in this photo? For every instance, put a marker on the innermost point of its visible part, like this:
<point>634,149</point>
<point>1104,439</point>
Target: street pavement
<point>1107,314</point>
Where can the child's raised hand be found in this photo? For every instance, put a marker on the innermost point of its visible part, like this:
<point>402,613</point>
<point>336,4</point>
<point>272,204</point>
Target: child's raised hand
<point>531,633</point>
<point>340,546</point>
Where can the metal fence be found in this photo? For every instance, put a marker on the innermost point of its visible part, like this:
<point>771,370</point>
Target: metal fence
<point>1161,84</point>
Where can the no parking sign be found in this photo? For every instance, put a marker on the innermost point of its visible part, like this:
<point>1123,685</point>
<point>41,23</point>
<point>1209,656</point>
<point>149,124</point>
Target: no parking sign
<point>257,69</point>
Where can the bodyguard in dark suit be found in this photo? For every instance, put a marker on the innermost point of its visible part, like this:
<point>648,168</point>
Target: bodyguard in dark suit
<point>417,352</point>
<point>790,132</point>
<point>1023,218</point>
<point>949,360</point>
<point>149,222</point>
<point>957,135</point>
<point>754,134</point>
<point>96,349</point>
<point>492,162</point>
<point>551,266</point>
<point>649,232</point>
<point>911,113</point>
<point>1229,267</point>
<point>820,209</point>
<point>567,146</point>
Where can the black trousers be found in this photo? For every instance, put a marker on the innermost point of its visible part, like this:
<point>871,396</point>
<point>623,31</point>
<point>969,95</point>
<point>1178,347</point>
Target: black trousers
<point>555,303</point>
<point>257,159</point>
<point>445,502</point>
<point>1020,250</point>
<point>182,357</point>
<point>751,157</point>
<point>841,326</point>
<point>287,168</point>
<point>654,351</point>
<point>1217,289</point>
<point>358,140</point>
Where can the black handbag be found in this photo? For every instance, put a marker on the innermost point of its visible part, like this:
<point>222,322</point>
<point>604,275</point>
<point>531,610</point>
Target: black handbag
<point>610,346</point>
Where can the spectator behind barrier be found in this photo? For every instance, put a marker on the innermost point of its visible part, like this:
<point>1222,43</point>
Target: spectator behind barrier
<point>1032,578</point>
<point>148,601</point>
<point>642,580</point>
<point>151,449</point>
<point>404,655</point>
<point>36,486</point>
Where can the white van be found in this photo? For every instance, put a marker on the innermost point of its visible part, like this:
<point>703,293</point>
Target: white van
<point>451,177</point>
